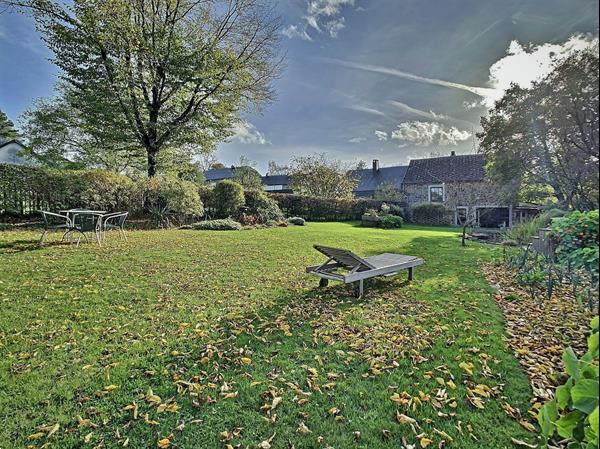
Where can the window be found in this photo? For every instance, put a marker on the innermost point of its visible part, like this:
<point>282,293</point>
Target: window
<point>436,194</point>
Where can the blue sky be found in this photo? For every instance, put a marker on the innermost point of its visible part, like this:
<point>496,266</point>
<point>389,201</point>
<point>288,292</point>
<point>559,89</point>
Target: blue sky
<point>386,79</point>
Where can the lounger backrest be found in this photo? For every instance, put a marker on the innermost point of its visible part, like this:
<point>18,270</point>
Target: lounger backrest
<point>345,258</point>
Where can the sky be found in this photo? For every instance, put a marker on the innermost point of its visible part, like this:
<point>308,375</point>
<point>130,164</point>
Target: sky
<point>367,79</point>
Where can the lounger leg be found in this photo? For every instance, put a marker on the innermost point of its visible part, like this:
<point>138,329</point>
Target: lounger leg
<point>41,242</point>
<point>410,274</point>
<point>359,289</point>
<point>323,282</point>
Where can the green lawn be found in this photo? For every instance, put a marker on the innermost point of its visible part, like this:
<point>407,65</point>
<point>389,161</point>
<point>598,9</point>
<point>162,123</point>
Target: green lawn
<point>185,335</point>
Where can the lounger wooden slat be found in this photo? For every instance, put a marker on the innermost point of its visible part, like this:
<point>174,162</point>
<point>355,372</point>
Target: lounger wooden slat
<point>358,268</point>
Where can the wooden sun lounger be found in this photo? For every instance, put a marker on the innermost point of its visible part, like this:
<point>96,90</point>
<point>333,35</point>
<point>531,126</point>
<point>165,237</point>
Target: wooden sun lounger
<point>357,269</point>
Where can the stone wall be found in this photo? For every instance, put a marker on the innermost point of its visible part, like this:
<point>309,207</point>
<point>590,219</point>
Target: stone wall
<point>456,194</point>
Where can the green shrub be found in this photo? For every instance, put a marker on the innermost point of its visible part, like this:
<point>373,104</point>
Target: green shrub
<point>576,237</point>
<point>524,232</point>
<point>104,190</point>
<point>391,222</point>
<point>573,413</point>
<point>258,204</point>
<point>228,198</point>
<point>324,209</point>
<point>224,224</point>
<point>170,200</point>
<point>431,214</point>
<point>398,210</point>
<point>547,217</point>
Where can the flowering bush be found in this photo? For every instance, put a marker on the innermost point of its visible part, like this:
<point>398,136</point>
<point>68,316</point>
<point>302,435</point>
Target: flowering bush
<point>576,237</point>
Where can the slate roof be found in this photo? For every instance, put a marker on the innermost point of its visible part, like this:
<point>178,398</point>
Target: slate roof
<point>370,180</point>
<point>465,167</point>
<point>218,174</point>
<point>272,180</point>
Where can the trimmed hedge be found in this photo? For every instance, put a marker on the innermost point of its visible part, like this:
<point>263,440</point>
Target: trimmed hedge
<point>24,190</point>
<point>325,209</point>
<point>431,214</point>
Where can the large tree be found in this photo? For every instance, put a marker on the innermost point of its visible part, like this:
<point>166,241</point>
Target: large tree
<point>7,128</point>
<point>164,73</point>
<point>317,175</point>
<point>60,136</point>
<point>543,141</point>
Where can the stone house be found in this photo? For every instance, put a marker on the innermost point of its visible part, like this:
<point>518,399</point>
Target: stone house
<point>458,182</point>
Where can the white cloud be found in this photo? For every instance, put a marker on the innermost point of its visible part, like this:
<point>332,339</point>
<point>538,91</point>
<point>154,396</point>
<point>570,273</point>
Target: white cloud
<point>368,110</point>
<point>321,15</point>
<point>245,132</point>
<point>335,26</point>
<point>381,135</point>
<point>524,64</point>
<point>357,140</point>
<point>521,65</point>
<point>481,91</point>
<point>292,31</point>
<point>327,7</point>
<point>410,110</point>
<point>428,134</point>
<point>468,105</point>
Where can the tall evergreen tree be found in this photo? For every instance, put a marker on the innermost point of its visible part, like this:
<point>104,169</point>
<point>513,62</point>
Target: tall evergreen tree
<point>7,128</point>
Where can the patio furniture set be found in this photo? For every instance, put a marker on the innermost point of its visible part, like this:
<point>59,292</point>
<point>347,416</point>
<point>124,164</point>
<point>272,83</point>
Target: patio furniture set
<point>81,222</point>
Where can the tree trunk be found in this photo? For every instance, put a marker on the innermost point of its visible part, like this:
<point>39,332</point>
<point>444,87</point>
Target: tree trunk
<point>152,161</point>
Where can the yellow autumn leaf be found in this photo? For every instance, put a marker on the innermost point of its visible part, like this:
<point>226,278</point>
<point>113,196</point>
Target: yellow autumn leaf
<point>53,430</point>
<point>302,428</point>
<point>36,436</point>
<point>425,442</point>
<point>276,402</point>
<point>164,443</point>
<point>467,367</point>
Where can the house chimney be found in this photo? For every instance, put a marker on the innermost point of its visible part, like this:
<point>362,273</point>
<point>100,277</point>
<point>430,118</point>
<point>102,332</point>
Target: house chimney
<point>452,153</point>
<point>375,165</point>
